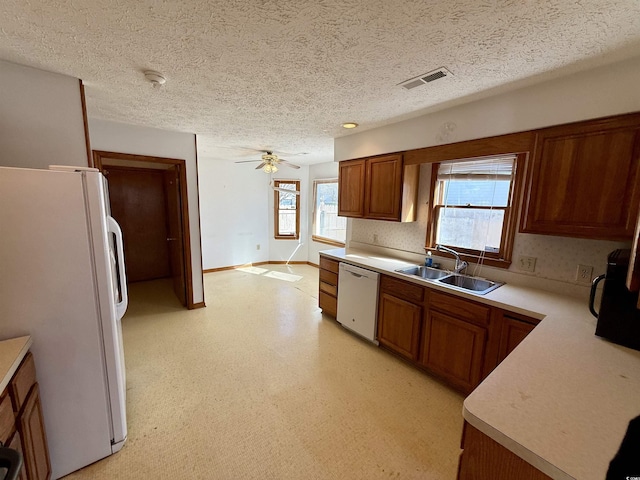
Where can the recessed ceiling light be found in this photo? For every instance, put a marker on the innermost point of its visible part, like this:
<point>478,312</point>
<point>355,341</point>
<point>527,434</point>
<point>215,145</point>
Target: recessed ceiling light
<point>349,125</point>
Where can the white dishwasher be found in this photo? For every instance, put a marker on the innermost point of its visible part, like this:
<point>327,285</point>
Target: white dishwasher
<point>358,300</point>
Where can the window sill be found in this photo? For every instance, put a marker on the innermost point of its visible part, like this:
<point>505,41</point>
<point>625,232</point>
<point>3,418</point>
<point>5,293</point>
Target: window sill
<point>327,241</point>
<point>286,237</point>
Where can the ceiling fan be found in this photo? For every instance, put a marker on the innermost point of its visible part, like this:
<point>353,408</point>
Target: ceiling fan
<point>270,162</point>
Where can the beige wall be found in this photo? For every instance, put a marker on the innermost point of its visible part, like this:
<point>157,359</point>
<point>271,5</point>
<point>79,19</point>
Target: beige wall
<point>41,121</point>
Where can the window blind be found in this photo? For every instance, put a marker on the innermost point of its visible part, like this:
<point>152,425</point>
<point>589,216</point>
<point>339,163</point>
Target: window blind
<point>500,168</point>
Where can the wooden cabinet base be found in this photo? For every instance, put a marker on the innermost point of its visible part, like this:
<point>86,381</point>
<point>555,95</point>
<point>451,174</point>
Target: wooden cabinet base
<point>485,459</point>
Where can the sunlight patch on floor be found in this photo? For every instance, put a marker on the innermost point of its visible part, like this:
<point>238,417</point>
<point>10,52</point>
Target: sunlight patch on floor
<point>287,277</point>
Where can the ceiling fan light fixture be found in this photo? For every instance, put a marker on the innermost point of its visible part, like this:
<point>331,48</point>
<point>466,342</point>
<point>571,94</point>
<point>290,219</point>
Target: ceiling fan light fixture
<point>349,125</point>
<point>269,168</point>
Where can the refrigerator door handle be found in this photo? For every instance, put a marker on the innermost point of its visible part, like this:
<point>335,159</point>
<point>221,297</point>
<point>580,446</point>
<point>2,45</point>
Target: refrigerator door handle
<point>114,228</point>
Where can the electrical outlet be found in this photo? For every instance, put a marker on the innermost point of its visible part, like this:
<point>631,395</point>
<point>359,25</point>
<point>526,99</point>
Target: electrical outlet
<point>375,238</point>
<point>258,246</point>
<point>527,264</point>
<point>584,273</point>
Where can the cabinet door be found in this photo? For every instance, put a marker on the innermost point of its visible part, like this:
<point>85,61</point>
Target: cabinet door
<point>399,325</point>
<point>584,180</point>
<point>351,188</point>
<point>34,440</point>
<point>513,332</point>
<point>453,349</point>
<point>383,194</point>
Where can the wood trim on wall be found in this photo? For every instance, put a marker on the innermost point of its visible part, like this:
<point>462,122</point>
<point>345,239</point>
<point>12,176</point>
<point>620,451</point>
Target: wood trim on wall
<point>99,155</point>
<point>195,145</point>
<point>481,147</point>
<point>85,120</point>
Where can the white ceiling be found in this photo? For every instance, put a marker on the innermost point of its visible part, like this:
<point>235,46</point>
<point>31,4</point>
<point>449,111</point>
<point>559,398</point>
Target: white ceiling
<point>284,74</point>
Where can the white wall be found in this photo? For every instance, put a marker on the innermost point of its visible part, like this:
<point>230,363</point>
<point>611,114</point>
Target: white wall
<point>133,139</point>
<point>600,92</point>
<point>40,118</point>
<point>320,171</point>
<point>235,213</point>
<point>595,93</point>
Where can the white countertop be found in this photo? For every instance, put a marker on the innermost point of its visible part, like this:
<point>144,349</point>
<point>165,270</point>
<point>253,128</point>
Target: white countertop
<point>11,354</point>
<point>562,400</point>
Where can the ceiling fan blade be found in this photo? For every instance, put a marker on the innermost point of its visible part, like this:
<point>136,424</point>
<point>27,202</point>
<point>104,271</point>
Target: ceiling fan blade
<point>261,165</point>
<point>284,190</point>
<point>288,164</point>
<point>248,161</point>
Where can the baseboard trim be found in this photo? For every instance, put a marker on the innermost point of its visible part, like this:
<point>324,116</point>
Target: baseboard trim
<point>270,262</point>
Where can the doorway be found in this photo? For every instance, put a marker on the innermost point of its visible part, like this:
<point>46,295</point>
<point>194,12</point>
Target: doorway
<point>149,200</point>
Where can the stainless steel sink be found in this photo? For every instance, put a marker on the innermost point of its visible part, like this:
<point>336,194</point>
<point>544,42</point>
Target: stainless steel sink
<point>428,273</point>
<point>472,284</point>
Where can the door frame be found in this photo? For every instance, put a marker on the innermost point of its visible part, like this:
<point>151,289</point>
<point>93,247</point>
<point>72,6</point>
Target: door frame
<point>181,166</point>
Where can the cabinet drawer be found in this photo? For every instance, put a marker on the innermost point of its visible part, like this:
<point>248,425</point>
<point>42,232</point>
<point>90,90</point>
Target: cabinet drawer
<point>328,288</point>
<point>7,419</point>
<point>460,308</point>
<point>328,277</point>
<point>22,382</point>
<point>401,289</point>
<point>331,265</point>
<point>328,304</point>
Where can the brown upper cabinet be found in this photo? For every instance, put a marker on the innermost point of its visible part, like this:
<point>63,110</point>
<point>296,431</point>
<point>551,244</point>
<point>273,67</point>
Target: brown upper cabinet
<point>583,179</point>
<point>380,188</point>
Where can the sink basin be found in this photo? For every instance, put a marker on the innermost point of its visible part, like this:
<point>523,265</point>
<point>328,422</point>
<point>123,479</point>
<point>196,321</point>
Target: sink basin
<point>428,273</point>
<point>472,284</point>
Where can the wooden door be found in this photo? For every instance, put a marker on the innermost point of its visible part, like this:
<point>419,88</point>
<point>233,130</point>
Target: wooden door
<point>584,180</point>
<point>399,325</point>
<point>175,232</point>
<point>383,194</point>
<point>453,349</point>
<point>138,203</point>
<point>351,187</point>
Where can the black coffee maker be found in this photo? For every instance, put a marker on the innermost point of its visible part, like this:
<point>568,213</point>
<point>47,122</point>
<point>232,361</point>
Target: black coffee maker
<point>618,317</point>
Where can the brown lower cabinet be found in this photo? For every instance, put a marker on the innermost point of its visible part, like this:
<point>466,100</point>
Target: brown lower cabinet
<point>328,286</point>
<point>22,424</point>
<point>459,340</point>
<point>483,458</point>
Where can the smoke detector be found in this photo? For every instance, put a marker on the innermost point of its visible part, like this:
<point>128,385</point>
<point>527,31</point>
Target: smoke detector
<point>156,78</point>
<point>425,78</point>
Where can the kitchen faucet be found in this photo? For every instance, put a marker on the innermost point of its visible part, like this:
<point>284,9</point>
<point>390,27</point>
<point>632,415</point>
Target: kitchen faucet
<point>460,264</point>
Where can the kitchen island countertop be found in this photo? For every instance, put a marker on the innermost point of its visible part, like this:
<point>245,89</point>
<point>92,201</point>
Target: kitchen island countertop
<point>562,400</point>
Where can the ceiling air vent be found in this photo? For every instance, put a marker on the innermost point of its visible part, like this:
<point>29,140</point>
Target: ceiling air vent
<point>426,78</point>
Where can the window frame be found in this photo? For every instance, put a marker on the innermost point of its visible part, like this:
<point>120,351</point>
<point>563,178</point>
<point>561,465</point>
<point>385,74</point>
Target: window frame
<point>276,209</point>
<point>503,258</point>
<point>319,238</point>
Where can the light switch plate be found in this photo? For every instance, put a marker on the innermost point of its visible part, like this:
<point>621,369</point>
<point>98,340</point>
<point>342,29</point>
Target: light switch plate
<point>527,264</point>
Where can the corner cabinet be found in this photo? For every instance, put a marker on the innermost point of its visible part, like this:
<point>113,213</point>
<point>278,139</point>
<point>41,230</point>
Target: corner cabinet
<point>583,179</point>
<point>378,188</point>
<point>458,340</point>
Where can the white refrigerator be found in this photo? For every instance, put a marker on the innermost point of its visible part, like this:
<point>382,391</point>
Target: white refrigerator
<point>62,281</point>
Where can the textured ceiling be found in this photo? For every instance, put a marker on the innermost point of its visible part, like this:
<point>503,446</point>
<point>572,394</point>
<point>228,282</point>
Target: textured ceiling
<point>284,74</point>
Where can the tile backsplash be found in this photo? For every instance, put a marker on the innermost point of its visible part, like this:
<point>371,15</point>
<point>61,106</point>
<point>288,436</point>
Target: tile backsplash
<point>557,257</point>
